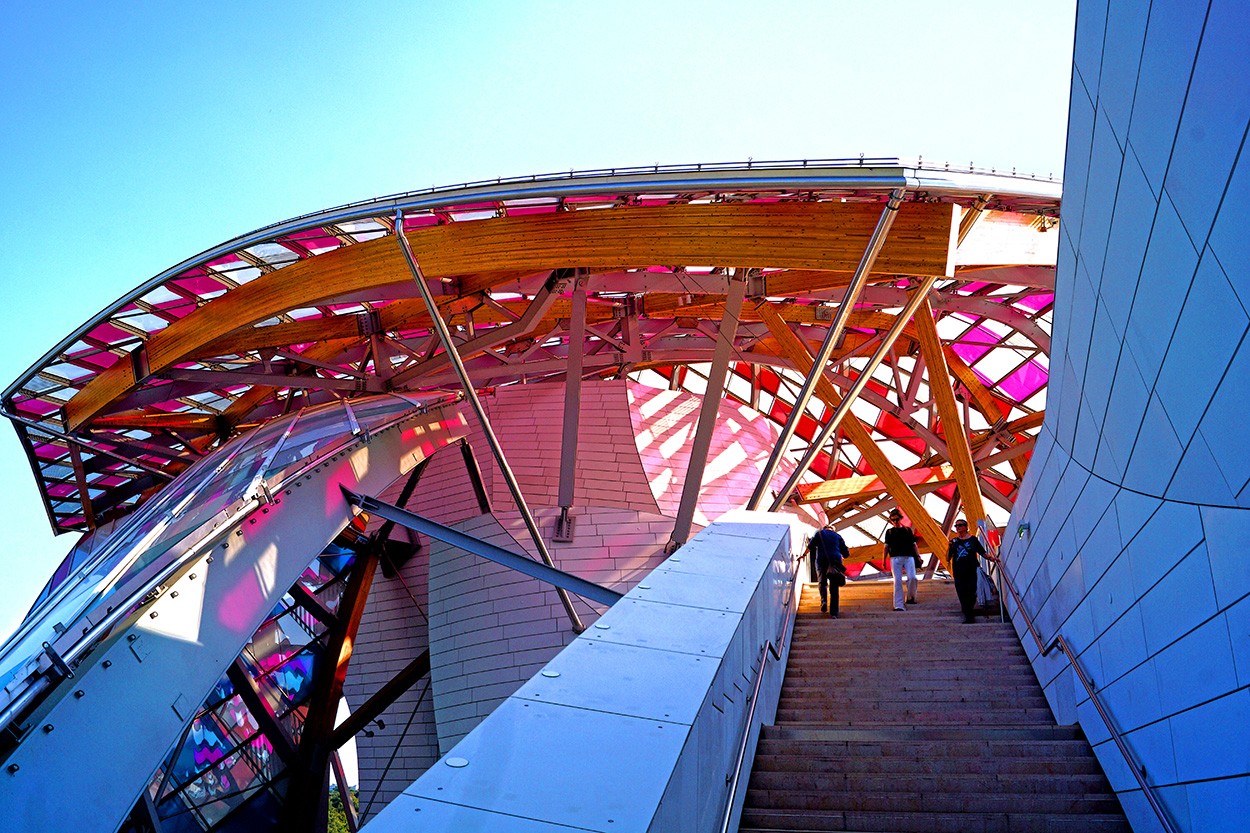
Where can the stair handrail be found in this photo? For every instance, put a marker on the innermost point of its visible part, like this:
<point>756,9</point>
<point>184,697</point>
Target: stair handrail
<point>770,651</point>
<point>1061,642</point>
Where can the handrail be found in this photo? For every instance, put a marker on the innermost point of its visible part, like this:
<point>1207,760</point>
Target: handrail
<point>1061,642</point>
<point>769,652</point>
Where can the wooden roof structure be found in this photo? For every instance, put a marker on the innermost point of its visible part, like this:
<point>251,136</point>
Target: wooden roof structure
<point>323,306</point>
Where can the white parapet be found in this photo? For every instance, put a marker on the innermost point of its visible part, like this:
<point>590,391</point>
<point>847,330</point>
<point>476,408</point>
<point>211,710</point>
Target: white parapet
<point>636,724</point>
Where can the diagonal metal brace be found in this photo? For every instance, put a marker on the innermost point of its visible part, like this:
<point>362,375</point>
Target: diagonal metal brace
<point>522,564</point>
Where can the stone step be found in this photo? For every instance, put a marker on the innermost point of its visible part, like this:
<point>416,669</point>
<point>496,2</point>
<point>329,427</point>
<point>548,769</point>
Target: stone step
<point>911,691</point>
<point>973,717</point>
<point>886,752</point>
<point>841,700</point>
<point>774,821</point>
<point>1087,785</point>
<point>786,760</point>
<point>883,732</point>
<point>898,801</point>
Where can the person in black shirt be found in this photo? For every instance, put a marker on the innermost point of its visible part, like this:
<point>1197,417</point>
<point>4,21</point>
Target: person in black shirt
<point>901,549</point>
<point>962,555</point>
<point>827,549</point>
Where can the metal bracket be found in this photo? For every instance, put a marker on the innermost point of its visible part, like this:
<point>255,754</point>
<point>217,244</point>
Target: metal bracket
<point>58,664</point>
<point>564,527</point>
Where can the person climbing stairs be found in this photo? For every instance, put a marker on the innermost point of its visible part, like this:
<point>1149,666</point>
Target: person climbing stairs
<point>913,722</point>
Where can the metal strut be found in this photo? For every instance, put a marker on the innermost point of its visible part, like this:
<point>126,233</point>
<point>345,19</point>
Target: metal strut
<point>861,381</point>
<point>562,581</point>
<point>836,327</point>
<point>708,412</point>
<point>449,347</point>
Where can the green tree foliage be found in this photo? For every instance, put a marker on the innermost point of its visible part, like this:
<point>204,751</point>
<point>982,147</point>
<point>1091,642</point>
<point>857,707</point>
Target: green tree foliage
<point>338,818</point>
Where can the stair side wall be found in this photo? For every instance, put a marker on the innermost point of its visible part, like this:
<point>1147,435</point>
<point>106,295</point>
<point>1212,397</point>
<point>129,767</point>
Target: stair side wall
<point>1129,534</point>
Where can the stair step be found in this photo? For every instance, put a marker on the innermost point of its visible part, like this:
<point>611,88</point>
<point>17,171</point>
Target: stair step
<point>969,803</point>
<point>999,783</point>
<point>788,761</point>
<point>911,734</point>
<point>774,821</point>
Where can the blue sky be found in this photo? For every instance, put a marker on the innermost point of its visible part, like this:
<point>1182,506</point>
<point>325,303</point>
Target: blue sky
<point>135,135</point>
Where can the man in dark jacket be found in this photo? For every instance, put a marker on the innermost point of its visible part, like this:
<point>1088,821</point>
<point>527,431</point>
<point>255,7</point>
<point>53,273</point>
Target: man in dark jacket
<point>828,549</point>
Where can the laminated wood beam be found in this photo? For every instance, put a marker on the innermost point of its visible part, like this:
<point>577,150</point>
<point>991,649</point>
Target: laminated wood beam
<point>861,487</point>
<point>957,447</point>
<point>820,236</point>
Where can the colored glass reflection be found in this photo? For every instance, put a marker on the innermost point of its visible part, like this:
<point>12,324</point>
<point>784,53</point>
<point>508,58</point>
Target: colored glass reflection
<point>224,767</point>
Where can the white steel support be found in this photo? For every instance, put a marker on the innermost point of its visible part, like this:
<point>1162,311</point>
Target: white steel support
<point>836,327</point>
<point>708,412</point>
<point>470,393</point>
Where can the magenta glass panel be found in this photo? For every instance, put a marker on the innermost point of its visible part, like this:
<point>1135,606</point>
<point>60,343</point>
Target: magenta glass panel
<point>1036,302</point>
<point>975,286</point>
<point>109,334</point>
<point>36,407</point>
<point>531,209</point>
<point>1023,382</point>
<point>199,284</point>
<point>100,360</point>
<point>227,261</point>
<point>971,352</point>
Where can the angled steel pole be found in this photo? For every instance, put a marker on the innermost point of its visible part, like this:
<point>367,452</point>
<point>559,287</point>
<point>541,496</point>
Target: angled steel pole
<point>844,407</point>
<point>449,346</point>
<point>708,412</point>
<point>836,327</point>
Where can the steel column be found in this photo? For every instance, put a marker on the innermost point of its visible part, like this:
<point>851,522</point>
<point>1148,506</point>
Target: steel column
<point>709,410</point>
<point>836,328</point>
<point>449,347</point>
<point>861,381</point>
<point>572,406</point>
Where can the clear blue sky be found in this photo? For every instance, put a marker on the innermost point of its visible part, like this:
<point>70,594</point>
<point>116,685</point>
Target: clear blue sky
<point>133,135</point>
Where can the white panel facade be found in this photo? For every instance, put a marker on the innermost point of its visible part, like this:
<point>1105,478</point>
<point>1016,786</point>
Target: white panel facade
<point>490,629</point>
<point>1136,502</point>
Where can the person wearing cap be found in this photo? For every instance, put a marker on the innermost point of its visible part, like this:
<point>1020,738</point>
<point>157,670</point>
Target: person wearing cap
<point>901,549</point>
<point>828,549</point>
<point>962,556</point>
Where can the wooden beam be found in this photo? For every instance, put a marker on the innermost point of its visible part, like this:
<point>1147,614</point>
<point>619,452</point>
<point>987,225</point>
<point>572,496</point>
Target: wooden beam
<point>862,487</point>
<point>957,447</point>
<point>855,431</point>
<point>822,236</point>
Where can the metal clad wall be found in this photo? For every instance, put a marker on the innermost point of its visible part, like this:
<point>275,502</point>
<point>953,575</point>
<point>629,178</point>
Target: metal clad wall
<point>1137,497</point>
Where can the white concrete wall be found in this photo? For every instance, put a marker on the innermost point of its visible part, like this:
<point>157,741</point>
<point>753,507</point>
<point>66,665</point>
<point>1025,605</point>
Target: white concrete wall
<point>1137,495</point>
<point>634,725</point>
<point>492,629</point>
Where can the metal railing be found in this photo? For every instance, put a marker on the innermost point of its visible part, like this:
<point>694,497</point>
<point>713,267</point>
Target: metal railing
<point>771,651</point>
<point>1061,642</point>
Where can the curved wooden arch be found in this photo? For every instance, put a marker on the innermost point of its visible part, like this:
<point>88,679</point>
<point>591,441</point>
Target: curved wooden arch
<point>801,235</point>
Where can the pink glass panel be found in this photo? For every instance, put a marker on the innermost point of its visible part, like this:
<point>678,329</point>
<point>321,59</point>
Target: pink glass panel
<point>971,352</point>
<point>199,284</point>
<point>1025,381</point>
<point>1036,302</point>
<point>109,334</point>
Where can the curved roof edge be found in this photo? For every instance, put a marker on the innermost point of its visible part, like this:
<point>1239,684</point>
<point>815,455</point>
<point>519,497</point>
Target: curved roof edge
<point>862,173</point>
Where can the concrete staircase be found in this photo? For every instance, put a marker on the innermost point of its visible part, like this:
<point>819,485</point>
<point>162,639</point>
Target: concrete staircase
<point>917,722</point>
